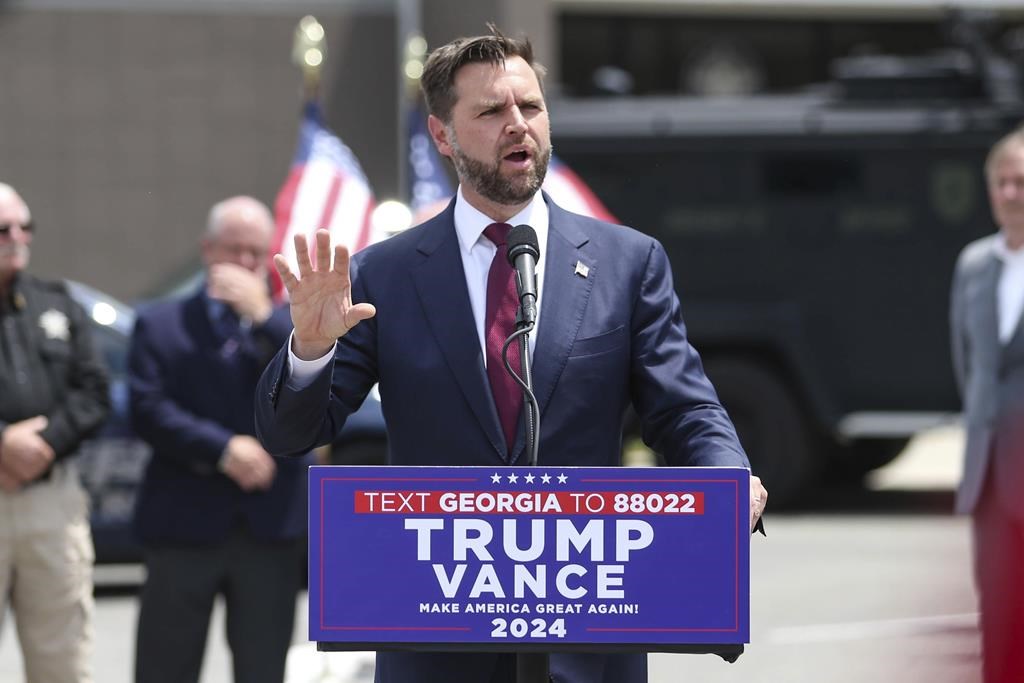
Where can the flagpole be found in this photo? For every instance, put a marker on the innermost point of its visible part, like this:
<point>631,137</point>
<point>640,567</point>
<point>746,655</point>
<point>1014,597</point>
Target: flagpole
<point>309,52</point>
<point>411,53</point>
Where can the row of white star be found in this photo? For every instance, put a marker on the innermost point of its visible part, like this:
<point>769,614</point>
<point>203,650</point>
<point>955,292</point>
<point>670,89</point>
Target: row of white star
<point>514,478</point>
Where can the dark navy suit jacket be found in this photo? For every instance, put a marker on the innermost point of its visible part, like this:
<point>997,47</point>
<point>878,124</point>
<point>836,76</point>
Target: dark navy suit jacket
<point>611,338</point>
<point>191,391</point>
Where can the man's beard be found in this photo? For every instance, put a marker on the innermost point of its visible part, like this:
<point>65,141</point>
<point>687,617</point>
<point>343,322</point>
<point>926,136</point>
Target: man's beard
<point>487,181</point>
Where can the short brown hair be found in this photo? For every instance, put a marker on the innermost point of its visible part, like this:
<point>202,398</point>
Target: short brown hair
<point>438,80</point>
<point>1012,140</point>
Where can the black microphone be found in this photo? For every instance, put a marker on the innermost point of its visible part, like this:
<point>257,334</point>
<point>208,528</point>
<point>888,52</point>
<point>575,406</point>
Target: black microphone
<point>523,254</point>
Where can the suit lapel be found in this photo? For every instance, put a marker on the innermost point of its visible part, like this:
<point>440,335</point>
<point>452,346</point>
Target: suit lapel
<point>565,299</point>
<point>988,312</point>
<point>441,286</point>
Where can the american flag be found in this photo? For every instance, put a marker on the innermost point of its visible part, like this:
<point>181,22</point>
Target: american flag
<point>571,193</point>
<point>429,187</point>
<point>325,188</point>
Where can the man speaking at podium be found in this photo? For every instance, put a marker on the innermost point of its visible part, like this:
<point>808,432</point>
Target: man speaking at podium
<point>425,314</point>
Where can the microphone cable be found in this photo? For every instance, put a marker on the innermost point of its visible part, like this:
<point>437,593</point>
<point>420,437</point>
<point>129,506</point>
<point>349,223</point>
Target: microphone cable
<point>532,421</point>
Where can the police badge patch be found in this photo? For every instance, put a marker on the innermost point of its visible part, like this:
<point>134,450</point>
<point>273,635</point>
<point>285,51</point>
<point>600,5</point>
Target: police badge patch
<point>55,325</point>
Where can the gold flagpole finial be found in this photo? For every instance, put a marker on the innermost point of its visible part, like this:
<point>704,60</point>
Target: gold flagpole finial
<point>309,52</point>
<point>412,66</point>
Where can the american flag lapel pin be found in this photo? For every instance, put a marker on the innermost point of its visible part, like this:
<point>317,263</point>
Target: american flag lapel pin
<point>582,269</point>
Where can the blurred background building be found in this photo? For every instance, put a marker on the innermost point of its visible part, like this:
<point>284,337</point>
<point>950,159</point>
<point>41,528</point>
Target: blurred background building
<point>123,120</point>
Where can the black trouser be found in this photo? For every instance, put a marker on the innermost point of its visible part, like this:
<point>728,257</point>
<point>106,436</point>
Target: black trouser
<point>260,583</point>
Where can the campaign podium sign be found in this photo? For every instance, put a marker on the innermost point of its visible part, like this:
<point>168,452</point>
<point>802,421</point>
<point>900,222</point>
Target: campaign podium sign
<point>529,558</point>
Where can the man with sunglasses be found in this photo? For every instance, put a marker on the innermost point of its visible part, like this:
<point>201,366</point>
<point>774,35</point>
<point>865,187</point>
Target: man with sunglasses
<point>53,394</point>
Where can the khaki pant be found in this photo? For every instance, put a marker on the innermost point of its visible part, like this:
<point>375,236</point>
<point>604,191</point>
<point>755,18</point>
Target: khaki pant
<point>46,560</point>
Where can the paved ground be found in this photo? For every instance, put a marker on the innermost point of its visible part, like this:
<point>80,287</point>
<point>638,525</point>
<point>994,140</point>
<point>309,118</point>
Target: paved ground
<point>932,461</point>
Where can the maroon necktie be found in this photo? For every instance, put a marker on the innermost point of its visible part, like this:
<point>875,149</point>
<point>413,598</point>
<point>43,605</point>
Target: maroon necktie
<point>499,323</point>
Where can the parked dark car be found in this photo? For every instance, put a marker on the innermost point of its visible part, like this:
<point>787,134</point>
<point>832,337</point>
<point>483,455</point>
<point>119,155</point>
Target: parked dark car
<point>112,462</point>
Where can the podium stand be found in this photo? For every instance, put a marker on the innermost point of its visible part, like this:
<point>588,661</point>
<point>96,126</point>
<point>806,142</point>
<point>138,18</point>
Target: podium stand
<point>530,560</point>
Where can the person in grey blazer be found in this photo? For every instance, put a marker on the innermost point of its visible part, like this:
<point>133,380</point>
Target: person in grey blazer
<point>988,360</point>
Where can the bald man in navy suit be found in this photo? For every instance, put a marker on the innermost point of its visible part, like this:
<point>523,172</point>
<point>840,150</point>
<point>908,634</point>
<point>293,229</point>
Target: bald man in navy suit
<point>417,313</point>
<point>216,513</point>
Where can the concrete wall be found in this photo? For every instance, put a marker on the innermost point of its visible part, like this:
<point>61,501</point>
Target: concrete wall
<point>122,127</point>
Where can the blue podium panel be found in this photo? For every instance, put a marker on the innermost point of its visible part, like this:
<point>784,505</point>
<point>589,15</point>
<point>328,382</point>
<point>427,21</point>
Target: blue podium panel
<point>514,556</point>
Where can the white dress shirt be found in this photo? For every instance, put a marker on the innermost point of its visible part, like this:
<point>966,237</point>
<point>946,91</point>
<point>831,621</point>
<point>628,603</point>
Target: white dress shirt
<point>1010,290</point>
<point>477,252</point>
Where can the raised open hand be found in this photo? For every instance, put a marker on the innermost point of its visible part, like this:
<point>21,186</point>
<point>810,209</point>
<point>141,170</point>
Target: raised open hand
<point>321,296</point>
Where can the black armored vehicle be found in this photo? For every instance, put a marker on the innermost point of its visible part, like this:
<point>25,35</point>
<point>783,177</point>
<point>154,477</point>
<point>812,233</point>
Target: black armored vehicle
<point>812,238</point>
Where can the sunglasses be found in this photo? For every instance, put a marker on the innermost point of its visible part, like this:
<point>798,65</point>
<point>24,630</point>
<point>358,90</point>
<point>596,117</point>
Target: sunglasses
<point>6,228</point>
